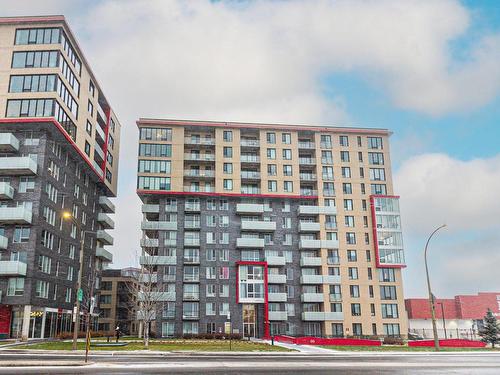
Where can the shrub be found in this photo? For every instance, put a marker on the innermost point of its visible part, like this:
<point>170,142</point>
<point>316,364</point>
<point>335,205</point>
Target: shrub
<point>393,341</point>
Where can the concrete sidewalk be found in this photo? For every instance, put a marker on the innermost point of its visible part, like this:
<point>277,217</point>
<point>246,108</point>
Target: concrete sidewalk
<point>308,349</point>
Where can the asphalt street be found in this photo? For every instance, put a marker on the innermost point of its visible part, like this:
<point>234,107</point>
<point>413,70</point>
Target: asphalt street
<point>337,363</point>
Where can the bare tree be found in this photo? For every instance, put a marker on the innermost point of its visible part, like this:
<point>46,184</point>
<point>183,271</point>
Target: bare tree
<point>149,297</point>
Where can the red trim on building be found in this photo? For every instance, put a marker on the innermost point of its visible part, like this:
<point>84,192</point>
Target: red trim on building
<point>375,235</point>
<point>266,301</point>
<point>51,120</point>
<point>163,192</point>
<point>331,129</point>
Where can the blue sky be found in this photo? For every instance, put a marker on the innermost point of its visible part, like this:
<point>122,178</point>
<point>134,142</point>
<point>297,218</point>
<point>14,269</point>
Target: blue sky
<point>427,70</point>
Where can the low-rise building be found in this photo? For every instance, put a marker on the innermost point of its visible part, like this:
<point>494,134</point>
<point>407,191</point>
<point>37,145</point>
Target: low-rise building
<point>457,317</point>
<point>118,301</point>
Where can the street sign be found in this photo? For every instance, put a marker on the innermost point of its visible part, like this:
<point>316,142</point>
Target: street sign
<point>80,295</point>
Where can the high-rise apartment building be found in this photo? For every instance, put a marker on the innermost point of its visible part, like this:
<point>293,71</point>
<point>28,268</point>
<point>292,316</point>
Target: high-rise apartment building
<point>278,229</point>
<point>59,146</point>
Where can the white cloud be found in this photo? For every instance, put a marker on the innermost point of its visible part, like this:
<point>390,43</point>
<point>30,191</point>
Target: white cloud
<point>436,189</point>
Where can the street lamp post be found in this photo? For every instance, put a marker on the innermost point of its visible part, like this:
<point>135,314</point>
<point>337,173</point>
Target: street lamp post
<point>431,297</point>
<point>229,319</point>
<point>68,216</point>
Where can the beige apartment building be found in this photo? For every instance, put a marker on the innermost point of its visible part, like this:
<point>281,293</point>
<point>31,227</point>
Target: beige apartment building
<point>59,149</point>
<point>275,229</point>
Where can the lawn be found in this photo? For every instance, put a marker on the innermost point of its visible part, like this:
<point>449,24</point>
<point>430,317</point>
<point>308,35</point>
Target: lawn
<point>394,348</point>
<point>168,345</point>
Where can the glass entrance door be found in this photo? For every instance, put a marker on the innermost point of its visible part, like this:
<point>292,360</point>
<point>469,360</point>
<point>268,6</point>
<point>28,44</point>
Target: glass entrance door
<point>248,320</point>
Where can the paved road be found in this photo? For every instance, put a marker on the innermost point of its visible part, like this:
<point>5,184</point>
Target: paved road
<point>338,363</point>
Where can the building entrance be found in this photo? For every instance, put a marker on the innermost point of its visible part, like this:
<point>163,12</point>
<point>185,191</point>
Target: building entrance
<point>248,320</point>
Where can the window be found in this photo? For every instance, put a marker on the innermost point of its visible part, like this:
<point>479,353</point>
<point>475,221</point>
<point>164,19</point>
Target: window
<point>287,223</point>
<point>355,310</point>
<point>377,174</point>
<point>210,308</point>
<point>359,141</point>
<point>33,83</point>
<point>155,134</point>
<point>348,205</point>
<point>30,108</point>
<point>388,292</point>
<point>347,188</point>
<point>190,328</point>
<point>224,255</point>
<point>346,172</point>
<point>167,329</point>
<point>90,108</point>
<point>26,184</point>
<point>15,286</point>
<point>153,183</point>
<point>211,288</point>
<point>223,308</point>
<point>376,158</point>
<point>350,238</point>
<point>352,256</point>
<point>227,136</point>
<point>35,59</point>
<point>287,154</point>
<point>42,289</point>
<point>223,273</point>
<point>326,157</point>
<point>391,329</point>
<point>286,138</point>
<point>38,36</point>
<point>44,264</point>
<point>390,310</point>
<point>287,170</point>
<point>344,156</point>
<point>337,330</point>
<point>354,290</point>
<point>327,173</point>
<point>344,140</point>
<point>154,150</point>
<point>271,137</point>
<point>227,168</point>
<point>349,221</point>
<point>154,166</point>
<point>378,189</point>
<point>87,148</point>
<point>228,152</point>
<point>271,153</point>
<point>91,88</point>
<point>288,186</point>
<point>272,185</point>
<point>21,234</point>
<point>228,184</point>
<point>375,143</point>
<point>353,273</point>
<point>88,128</point>
<point>272,170</point>
<point>387,275</point>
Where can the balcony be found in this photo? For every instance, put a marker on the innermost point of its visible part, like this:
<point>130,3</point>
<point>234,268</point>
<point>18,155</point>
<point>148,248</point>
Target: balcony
<point>320,316</point>
<point>149,242</point>
<point>159,225</point>
<point>100,132</point>
<point>331,279</point>
<point>250,175</point>
<point>199,141</point>
<point>104,237</point>
<point>317,210</point>
<point>191,260</point>
<point>258,226</point>
<point>199,157</point>
<point>318,244</point>
<point>6,191</point>
<point>278,315</point>
<point>199,189</point>
<point>192,315</point>
<point>99,150</point>
<point>105,220</point>
<point>252,243</point>
<point>191,296</point>
<point>191,278</point>
<point>309,192</point>
<point>308,177</point>
<point>15,215</point>
<point>312,297</point>
<point>18,166</point>
<point>192,207</point>
<point>192,224</point>
<point>274,278</point>
<point>103,254</point>
<point>310,261</point>
<point>325,145</point>
<point>151,208</point>
<point>8,142</point>
<point>305,226</point>
<point>249,208</point>
<point>199,173</point>
<point>307,145</point>
<point>249,158</point>
<point>156,296</point>
<point>4,242</point>
<point>97,167</point>
<point>106,205</point>
<point>335,297</point>
<point>275,261</point>
<point>170,242</point>
<point>250,190</point>
<point>12,268</point>
<point>277,297</point>
<point>307,161</point>
<point>101,113</point>
<point>249,142</point>
<point>192,242</point>
<point>148,278</point>
<point>168,278</point>
<point>157,260</point>
<point>311,279</point>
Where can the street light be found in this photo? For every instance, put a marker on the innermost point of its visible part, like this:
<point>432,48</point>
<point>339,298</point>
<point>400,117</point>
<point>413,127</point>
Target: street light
<point>79,294</point>
<point>431,297</point>
<point>229,319</point>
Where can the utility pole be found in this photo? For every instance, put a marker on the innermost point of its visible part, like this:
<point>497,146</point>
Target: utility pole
<point>431,296</point>
<point>444,321</point>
